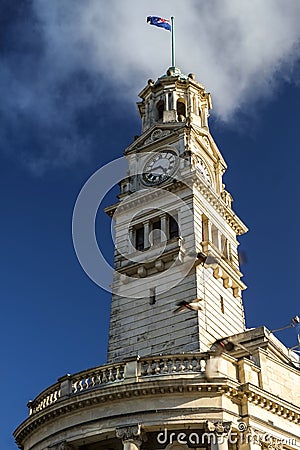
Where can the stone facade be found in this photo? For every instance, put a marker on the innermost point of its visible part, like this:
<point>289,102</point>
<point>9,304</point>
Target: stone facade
<point>195,196</point>
<point>149,403</point>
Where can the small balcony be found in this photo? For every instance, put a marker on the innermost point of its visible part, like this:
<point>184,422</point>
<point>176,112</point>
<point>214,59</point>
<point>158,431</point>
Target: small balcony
<point>151,260</point>
<point>113,394</point>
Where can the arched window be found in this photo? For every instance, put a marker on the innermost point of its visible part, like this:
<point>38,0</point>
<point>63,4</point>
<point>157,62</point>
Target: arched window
<point>160,106</point>
<point>181,110</point>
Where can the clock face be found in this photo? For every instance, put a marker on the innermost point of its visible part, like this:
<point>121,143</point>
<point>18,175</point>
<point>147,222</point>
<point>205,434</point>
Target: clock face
<point>202,169</point>
<point>159,167</point>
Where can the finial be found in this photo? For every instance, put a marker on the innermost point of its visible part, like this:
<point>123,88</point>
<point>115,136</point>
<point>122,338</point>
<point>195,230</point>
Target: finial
<point>173,71</point>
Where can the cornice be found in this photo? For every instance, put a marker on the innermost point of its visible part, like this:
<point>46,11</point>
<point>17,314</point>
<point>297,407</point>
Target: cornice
<point>270,402</point>
<point>159,386</point>
<point>152,386</point>
<point>171,80</point>
<point>146,195</point>
<point>218,204</point>
<point>189,180</point>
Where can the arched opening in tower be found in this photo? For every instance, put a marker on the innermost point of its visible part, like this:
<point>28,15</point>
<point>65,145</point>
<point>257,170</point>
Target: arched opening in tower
<point>181,110</point>
<point>160,106</point>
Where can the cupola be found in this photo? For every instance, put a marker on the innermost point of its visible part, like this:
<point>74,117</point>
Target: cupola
<point>174,97</point>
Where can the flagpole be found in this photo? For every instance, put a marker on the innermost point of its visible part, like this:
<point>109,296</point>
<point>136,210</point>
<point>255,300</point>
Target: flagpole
<point>173,42</point>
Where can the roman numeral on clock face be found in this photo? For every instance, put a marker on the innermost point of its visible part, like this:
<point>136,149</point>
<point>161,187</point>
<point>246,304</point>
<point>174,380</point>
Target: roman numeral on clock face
<point>159,168</point>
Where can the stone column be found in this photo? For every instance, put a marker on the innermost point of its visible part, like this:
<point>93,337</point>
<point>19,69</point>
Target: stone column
<point>219,180</point>
<point>131,436</point>
<point>174,102</point>
<point>204,116</point>
<point>218,434</point>
<point>206,232</point>
<point>166,100</point>
<point>146,233</point>
<point>164,228</point>
<point>131,248</point>
<point>150,118</point>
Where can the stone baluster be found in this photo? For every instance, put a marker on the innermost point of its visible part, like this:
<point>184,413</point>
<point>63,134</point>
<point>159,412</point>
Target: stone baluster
<point>220,431</point>
<point>131,436</point>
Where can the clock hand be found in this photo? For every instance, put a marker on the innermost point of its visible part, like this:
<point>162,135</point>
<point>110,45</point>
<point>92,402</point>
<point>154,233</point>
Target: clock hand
<point>160,167</point>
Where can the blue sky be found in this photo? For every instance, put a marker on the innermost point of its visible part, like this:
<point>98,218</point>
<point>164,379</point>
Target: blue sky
<point>69,79</point>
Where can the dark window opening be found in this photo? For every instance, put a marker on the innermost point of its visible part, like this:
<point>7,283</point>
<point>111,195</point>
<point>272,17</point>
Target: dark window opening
<point>160,109</point>
<point>152,298</point>
<point>139,238</point>
<point>170,105</point>
<point>181,111</point>
<point>156,225</point>
<point>173,228</point>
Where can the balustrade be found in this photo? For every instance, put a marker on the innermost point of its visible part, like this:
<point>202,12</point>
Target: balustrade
<point>100,375</point>
<point>45,399</point>
<point>173,364</point>
<point>71,385</point>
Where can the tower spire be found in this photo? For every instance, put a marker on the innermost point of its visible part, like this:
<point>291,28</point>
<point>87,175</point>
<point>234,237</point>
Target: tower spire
<point>173,41</point>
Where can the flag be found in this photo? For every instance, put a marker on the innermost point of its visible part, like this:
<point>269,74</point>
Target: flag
<point>159,22</point>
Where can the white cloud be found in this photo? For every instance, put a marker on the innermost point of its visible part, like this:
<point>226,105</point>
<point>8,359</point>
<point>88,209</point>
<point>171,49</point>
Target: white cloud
<point>234,46</point>
<point>241,50</point>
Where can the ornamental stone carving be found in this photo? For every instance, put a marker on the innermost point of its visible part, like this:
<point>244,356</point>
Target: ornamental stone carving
<point>226,196</point>
<point>131,433</point>
<point>265,440</point>
<point>157,134</point>
<point>219,428</point>
<point>270,442</point>
<point>206,141</point>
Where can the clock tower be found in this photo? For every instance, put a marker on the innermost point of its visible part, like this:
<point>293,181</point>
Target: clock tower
<point>176,291</point>
<point>175,230</point>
